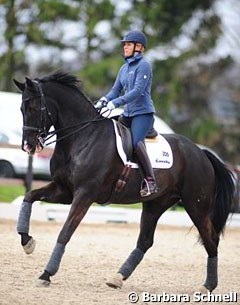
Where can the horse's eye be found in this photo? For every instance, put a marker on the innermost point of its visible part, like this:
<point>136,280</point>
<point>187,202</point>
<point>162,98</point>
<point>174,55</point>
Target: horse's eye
<point>32,108</point>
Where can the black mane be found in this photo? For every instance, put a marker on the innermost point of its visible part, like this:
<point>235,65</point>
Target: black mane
<point>62,78</point>
<point>65,79</point>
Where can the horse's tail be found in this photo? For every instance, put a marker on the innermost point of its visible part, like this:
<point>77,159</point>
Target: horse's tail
<point>224,193</point>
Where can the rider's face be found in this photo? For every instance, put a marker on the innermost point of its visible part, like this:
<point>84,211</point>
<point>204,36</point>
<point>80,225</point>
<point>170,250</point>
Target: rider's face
<point>128,48</point>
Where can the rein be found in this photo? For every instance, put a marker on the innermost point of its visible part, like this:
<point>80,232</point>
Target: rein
<point>42,134</point>
<point>50,134</point>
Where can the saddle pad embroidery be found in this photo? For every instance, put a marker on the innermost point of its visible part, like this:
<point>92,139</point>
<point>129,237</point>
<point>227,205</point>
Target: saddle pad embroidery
<point>159,151</point>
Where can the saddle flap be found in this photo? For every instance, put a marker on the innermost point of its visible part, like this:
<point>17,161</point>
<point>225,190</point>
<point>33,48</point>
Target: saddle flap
<point>126,137</point>
<point>158,149</point>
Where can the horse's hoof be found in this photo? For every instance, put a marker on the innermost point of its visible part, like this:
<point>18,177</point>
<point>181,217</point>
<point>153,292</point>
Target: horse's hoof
<point>116,281</point>
<point>30,246</point>
<point>42,283</point>
<point>203,290</point>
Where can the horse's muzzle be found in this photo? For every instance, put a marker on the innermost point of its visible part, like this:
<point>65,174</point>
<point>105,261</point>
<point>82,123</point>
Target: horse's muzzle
<point>31,148</point>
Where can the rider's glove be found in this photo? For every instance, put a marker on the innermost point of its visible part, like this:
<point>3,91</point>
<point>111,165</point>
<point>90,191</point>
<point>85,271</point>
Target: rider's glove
<point>110,105</point>
<point>101,103</point>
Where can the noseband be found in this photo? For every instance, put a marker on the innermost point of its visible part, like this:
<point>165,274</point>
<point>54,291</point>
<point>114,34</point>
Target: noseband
<point>44,113</point>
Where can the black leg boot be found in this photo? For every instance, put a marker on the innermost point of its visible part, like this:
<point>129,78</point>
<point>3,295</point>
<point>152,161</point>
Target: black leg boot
<point>149,184</point>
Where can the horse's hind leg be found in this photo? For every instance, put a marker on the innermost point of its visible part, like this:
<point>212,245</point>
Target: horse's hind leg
<point>210,241</point>
<point>152,210</point>
<point>49,193</point>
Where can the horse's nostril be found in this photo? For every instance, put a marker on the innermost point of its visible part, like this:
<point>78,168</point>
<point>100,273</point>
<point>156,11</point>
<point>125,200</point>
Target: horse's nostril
<point>26,147</point>
<point>29,148</point>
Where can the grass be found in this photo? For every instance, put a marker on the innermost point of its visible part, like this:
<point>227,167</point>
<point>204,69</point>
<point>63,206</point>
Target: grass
<point>130,206</point>
<point>10,192</point>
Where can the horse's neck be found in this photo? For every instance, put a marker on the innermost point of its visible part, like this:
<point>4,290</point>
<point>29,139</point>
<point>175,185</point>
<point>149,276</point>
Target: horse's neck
<point>75,111</point>
<point>72,116</point>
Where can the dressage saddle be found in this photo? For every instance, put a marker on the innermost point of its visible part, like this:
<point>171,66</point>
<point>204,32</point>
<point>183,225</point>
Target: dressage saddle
<point>126,137</point>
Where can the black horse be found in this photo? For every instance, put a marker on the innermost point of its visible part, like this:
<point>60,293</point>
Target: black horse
<point>85,167</point>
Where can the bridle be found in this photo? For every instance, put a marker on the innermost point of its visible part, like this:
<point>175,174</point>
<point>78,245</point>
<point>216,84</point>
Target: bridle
<point>41,131</point>
<point>42,134</point>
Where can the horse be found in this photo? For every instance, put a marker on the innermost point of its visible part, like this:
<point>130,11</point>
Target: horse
<point>85,166</point>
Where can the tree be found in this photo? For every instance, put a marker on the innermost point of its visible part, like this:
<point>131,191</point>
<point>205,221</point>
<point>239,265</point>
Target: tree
<point>27,23</point>
<point>51,25</point>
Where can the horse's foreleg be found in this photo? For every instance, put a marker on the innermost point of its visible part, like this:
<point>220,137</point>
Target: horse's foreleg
<point>23,223</point>
<point>53,264</point>
<point>76,214</point>
<point>27,241</point>
<point>49,193</point>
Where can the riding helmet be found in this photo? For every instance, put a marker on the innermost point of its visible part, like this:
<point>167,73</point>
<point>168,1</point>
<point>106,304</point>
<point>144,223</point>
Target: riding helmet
<point>135,36</point>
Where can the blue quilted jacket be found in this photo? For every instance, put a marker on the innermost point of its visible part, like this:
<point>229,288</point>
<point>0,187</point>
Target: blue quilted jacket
<point>132,87</point>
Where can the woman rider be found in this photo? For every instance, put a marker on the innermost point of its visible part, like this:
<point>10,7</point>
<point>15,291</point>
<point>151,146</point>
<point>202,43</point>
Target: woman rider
<point>132,89</point>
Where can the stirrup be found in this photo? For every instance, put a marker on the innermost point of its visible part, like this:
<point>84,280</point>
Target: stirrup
<point>146,189</point>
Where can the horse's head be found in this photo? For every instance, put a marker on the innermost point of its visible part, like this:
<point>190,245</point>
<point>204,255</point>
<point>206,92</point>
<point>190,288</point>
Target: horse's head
<point>37,118</point>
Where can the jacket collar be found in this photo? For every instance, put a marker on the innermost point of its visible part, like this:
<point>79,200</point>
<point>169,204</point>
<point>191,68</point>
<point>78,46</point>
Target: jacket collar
<point>135,57</point>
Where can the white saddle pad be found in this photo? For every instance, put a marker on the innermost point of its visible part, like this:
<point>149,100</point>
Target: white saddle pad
<point>158,149</point>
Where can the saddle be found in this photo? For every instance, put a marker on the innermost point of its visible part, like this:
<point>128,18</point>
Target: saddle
<point>126,137</point>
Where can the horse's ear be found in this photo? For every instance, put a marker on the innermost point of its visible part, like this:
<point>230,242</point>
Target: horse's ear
<point>19,85</point>
<point>29,82</point>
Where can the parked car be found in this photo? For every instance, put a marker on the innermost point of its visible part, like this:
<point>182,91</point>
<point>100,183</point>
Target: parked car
<point>14,161</point>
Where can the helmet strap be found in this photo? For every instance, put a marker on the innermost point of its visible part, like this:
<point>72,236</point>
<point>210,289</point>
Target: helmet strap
<point>134,49</point>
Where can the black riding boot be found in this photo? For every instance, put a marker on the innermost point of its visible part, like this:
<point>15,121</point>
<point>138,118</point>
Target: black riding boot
<point>149,184</point>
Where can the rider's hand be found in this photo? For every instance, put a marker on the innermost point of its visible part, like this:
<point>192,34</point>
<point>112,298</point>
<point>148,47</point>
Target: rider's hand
<point>101,103</point>
<point>110,105</point>
<point>98,105</point>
